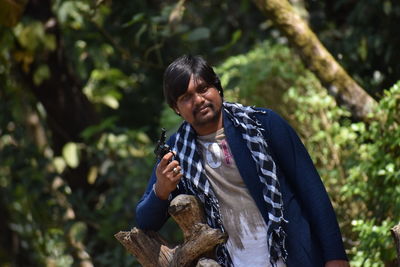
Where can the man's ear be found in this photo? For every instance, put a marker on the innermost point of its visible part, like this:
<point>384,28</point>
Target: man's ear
<point>177,111</point>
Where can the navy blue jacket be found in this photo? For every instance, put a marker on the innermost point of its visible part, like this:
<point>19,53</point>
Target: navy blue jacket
<point>313,235</point>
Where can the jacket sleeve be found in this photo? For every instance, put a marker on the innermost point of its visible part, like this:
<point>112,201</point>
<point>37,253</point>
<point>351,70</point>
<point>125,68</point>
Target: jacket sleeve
<point>151,211</point>
<point>297,166</point>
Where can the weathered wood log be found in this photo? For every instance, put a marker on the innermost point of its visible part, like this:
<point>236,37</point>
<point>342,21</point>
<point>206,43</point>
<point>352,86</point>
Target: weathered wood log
<point>151,249</point>
<point>207,263</point>
<point>396,235</point>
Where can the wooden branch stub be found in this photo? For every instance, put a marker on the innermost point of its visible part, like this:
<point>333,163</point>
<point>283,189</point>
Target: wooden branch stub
<point>203,239</point>
<point>151,249</point>
<point>187,213</point>
<point>396,236</point>
<point>199,237</point>
<point>207,263</point>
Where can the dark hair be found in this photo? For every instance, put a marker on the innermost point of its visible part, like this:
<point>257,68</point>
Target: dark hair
<point>178,73</point>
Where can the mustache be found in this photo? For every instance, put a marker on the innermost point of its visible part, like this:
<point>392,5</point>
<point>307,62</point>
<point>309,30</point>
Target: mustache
<point>196,110</point>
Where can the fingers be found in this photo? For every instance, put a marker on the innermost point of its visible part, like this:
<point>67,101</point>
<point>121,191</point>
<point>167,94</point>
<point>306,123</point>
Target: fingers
<point>168,176</point>
<point>168,168</point>
<point>176,170</point>
<point>173,167</point>
<point>167,158</point>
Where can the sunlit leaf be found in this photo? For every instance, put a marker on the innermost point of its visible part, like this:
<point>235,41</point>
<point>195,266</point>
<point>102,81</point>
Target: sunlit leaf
<point>92,176</point>
<point>110,101</point>
<point>59,164</point>
<point>143,138</point>
<point>30,36</point>
<point>71,154</point>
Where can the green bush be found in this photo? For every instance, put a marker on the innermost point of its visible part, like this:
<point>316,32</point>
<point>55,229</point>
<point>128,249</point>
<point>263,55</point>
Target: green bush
<point>374,182</point>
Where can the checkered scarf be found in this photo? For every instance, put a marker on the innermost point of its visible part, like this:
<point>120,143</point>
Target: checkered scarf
<point>196,183</point>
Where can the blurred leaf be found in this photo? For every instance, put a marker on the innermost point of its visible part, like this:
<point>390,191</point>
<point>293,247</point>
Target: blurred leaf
<point>78,232</point>
<point>59,164</point>
<point>49,42</point>
<point>30,36</point>
<point>135,19</point>
<point>71,13</point>
<point>106,124</point>
<point>143,138</point>
<point>139,34</point>
<point>177,12</point>
<point>110,101</point>
<point>92,176</point>
<point>198,34</point>
<point>41,73</point>
<point>234,39</point>
<point>71,154</point>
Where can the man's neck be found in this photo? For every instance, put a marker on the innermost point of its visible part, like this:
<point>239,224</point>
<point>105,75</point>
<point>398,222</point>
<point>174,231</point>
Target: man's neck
<point>210,128</point>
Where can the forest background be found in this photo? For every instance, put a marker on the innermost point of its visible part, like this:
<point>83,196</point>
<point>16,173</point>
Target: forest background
<point>81,108</point>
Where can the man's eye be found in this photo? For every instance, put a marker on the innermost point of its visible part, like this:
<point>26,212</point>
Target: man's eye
<point>184,97</point>
<point>203,89</point>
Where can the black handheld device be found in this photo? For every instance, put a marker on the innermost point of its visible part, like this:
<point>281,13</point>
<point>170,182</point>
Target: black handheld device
<point>162,148</point>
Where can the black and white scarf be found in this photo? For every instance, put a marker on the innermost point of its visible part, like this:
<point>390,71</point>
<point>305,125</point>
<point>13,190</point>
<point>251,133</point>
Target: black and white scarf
<point>196,183</point>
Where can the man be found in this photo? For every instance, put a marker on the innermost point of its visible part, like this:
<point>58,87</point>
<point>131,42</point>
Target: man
<point>251,172</point>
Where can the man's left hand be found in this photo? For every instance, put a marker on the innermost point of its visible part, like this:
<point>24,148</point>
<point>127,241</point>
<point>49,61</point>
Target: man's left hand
<point>337,263</point>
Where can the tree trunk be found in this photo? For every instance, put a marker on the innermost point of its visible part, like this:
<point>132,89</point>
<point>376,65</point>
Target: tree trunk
<point>151,249</point>
<point>317,58</point>
<point>396,236</point>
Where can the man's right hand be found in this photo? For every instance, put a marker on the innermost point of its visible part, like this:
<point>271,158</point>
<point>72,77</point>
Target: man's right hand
<point>168,176</point>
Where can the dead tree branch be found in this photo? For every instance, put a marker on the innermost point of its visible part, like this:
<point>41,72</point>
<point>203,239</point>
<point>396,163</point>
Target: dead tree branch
<point>151,249</point>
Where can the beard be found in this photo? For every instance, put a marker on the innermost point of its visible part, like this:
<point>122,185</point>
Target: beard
<point>205,114</point>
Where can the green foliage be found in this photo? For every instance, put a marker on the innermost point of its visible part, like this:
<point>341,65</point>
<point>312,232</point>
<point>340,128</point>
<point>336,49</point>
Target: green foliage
<point>27,197</point>
<point>374,182</point>
<point>40,203</point>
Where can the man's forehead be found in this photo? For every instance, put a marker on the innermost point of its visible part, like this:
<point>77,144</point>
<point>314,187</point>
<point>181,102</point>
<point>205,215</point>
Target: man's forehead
<point>197,81</point>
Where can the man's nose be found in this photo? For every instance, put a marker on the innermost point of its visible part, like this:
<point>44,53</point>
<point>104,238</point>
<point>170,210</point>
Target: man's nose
<point>198,98</point>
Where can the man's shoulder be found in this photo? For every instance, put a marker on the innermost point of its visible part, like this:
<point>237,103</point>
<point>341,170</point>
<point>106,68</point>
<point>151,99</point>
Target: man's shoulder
<point>264,114</point>
<point>265,111</point>
<point>271,121</point>
<point>267,115</point>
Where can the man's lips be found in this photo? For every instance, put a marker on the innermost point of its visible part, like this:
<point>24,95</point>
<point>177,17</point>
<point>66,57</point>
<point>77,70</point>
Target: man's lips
<point>202,108</point>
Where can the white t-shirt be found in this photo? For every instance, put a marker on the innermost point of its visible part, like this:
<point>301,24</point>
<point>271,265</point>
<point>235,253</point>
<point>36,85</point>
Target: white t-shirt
<point>247,242</point>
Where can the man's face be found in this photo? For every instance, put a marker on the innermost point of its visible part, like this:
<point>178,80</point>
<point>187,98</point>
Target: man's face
<point>201,106</point>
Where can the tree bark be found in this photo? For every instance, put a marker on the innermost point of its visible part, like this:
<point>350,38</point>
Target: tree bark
<point>152,250</point>
<point>396,236</point>
<point>317,58</point>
